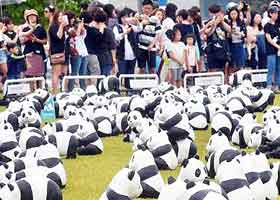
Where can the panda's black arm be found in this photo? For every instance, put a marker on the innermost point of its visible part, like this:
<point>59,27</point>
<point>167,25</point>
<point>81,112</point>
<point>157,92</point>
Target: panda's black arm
<point>162,150</point>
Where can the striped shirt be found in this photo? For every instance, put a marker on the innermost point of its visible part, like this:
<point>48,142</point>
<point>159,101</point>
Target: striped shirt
<point>148,35</point>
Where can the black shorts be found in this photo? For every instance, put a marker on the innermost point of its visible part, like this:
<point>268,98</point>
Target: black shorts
<point>214,63</point>
<point>145,58</point>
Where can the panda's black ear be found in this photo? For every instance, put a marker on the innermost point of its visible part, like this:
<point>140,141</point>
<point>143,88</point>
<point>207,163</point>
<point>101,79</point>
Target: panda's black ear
<point>171,180</point>
<point>185,163</point>
<point>141,147</point>
<point>11,187</point>
<point>206,181</point>
<point>190,185</point>
<point>271,166</point>
<point>131,175</point>
<point>196,157</point>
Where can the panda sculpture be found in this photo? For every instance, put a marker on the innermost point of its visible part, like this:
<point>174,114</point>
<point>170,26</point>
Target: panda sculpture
<point>218,157</point>
<point>223,122</point>
<point>142,162</point>
<point>31,118</point>
<point>65,142</point>
<point>176,125</point>
<point>195,191</point>
<point>193,170</point>
<point>126,184</point>
<point>162,151</point>
<point>172,190</point>
<point>39,189</point>
<point>30,137</point>
<point>234,183</point>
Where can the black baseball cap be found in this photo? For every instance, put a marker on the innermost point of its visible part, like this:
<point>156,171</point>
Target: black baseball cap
<point>50,8</point>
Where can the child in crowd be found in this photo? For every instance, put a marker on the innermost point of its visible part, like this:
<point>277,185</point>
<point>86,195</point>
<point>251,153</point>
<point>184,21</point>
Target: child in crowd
<point>176,53</point>
<point>15,61</point>
<point>191,54</point>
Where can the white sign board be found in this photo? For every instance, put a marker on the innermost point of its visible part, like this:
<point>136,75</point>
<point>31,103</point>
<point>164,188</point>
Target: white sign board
<point>204,79</point>
<point>259,76</point>
<point>22,88</point>
<point>140,84</point>
<point>138,81</point>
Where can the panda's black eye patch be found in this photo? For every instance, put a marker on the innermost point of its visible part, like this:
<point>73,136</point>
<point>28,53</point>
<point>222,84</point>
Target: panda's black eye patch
<point>197,172</point>
<point>134,117</point>
<point>160,111</point>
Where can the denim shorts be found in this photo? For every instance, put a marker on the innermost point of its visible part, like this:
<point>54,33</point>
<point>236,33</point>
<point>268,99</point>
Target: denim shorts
<point>3,56</point>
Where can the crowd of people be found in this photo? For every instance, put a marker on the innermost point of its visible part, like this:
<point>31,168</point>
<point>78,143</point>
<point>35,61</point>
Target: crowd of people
<point>102,40</point>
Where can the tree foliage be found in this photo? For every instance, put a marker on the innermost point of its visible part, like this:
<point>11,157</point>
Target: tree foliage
<point>16,11</point>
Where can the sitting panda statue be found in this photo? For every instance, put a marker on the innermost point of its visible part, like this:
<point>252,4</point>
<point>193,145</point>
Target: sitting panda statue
<point>162,151</point>
<point>195,191</point>
<point>193,170</point>
<point>218,157</point>
<point>223,122</point>
<point>39,189</point>
<point>176,125</point>
<point>234,183</point>
<point>142,162</point>
<point>31,118</point>
<point>9,147</point>
<point>29,138</point>
<point>66,143</point>
<point>172,190</point>
<point>126,184</point>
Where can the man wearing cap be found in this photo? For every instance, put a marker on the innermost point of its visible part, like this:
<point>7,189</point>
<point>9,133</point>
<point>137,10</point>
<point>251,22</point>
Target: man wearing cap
<point>272,34</point>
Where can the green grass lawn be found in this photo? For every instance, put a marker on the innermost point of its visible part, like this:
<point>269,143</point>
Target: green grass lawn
<point>88,177</point>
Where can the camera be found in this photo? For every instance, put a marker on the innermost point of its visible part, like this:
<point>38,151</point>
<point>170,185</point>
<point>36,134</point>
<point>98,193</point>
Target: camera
<point>245,5</point>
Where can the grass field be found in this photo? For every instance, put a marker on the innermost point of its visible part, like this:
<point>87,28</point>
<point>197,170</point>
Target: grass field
<point>89,176</point>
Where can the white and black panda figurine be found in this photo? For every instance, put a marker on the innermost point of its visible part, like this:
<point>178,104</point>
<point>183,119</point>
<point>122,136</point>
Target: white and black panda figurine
<point>30,137</point>
<point>176,125</point>
<point>66,143</point>
<point>223,122</point>
<point>275,169</point>
<point>31,118</point>
<point>11,118</point>
<point>126,185</point>
<point>218,157</point>
<point>142,162</point>
<point>31,189</point>
<point>255,183</point>
<point>172,190</point>
<point>40,171</point>
<point>162,151</point>
<point>262,167</point>
<point>109,84</point>
<point>184,149</point>
<point>193,170</point>
<point>90,144</point>
<point>216,142</point>
<point>9,147</point>
<point>20,164</point>
<point>200,191</point>
<point>48,154</point>
<point>136,103</point>
<point>242,135</point>
<point>234,183</point>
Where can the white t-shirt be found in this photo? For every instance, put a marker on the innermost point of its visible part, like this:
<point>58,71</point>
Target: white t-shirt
<point>191,51</point>
<point>80,44</point>
<point>128,51</point>
<point>167,24</point>
<point>178,49</point>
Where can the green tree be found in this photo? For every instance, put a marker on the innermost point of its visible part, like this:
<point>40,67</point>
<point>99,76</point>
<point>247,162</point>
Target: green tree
<point>16,11</point>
